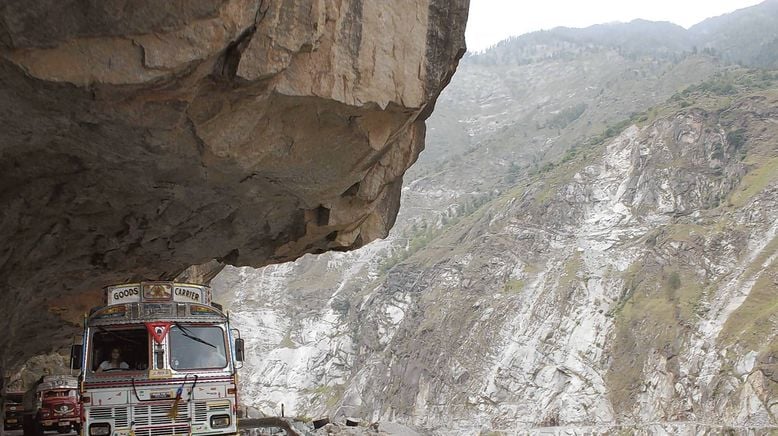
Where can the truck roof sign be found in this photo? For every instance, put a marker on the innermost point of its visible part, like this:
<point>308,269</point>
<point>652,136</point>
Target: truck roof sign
<point>157,292</point>
<point>123,294</point>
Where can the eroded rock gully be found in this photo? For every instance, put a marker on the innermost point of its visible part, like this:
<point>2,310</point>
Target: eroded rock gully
<point>137,140</point>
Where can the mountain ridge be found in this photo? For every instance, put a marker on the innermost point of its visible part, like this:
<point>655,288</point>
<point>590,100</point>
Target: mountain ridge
<point>746,36</point>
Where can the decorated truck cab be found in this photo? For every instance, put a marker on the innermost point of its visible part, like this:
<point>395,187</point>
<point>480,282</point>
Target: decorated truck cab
<point>158,359</point>
<point>52,403</point>
<point>14,410</point>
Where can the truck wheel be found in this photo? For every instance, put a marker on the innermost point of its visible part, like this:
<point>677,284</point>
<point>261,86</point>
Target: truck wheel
<point>77,428</point>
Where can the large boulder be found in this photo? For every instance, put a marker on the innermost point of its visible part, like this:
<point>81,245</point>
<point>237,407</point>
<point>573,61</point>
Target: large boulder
<point>139,138</point>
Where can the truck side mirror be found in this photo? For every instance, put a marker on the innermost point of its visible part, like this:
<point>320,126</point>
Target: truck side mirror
<point>239,353</point>
<point>75,356</point>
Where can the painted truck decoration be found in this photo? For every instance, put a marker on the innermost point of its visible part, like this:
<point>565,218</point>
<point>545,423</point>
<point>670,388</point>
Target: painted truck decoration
<point>158,359</point>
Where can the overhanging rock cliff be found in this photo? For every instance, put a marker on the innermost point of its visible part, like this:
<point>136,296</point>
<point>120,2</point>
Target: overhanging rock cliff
<point>140,138</point>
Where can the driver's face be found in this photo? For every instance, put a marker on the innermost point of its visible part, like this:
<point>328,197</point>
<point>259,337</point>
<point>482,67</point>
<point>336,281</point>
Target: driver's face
<point>115,354</point>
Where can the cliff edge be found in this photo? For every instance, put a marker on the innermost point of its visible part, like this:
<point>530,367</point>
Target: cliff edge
<point>136,142</point>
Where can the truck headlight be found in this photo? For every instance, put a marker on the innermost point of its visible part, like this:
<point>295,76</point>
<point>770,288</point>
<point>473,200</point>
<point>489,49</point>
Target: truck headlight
<point>220,421</point>
<point>100,429</point>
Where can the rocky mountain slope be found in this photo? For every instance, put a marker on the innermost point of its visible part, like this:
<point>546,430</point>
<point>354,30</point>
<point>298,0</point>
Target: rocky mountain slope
<point>630,285</point>
<point>581,252</point>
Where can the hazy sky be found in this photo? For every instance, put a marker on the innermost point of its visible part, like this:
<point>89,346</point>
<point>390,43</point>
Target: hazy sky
<point>491,21</point>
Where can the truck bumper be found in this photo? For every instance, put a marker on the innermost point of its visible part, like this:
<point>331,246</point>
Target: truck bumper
<point>12,423</point>
<point>54,423</point>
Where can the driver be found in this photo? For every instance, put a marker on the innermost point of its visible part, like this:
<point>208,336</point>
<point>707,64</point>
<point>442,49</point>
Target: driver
<point>114,363</point>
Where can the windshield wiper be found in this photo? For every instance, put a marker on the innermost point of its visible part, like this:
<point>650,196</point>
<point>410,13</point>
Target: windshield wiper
<point>185,331</point>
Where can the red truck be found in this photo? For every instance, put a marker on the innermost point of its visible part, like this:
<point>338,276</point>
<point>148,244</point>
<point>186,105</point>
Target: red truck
<point>13,410</point>
<point>52,404</point>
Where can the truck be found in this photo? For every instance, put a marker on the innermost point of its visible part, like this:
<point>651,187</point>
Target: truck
<point>158,359</point>
<point>14,409</point>
<point>52,404</point>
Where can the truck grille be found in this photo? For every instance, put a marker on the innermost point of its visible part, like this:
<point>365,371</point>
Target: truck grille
<point>158,414</point>
<point>117,414</point>
<point>200,411</point>
<point>219,407</point>
<point>202,408</point>
<point>163,431</point>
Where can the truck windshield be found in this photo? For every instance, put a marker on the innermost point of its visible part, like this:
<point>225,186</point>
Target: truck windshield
<point>14,397</point>
<point>124,349</point>
<point>197,347</point>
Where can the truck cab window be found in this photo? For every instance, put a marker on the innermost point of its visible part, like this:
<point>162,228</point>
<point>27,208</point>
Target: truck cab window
<point>197,347</point>
<point>120,350</point>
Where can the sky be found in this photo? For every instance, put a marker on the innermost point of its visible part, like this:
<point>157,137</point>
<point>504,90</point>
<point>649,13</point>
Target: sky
<point>491,21</point>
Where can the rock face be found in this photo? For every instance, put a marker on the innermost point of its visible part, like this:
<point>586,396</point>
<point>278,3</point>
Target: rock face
<point>137,140</point>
